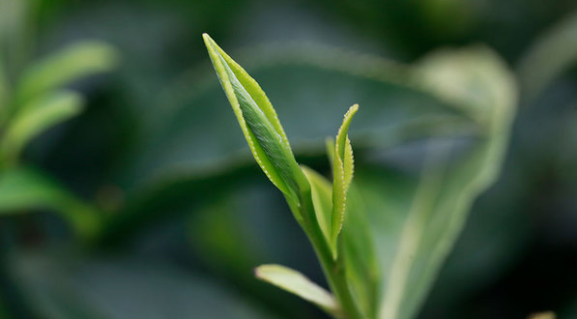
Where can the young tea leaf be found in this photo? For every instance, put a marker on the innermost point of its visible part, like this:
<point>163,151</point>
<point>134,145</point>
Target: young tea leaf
<point>342,176</point>
<point>296,283</point>
<point>259,123</point>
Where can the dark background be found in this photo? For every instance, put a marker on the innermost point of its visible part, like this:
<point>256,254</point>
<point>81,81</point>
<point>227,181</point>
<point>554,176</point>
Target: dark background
<point>194,213</point>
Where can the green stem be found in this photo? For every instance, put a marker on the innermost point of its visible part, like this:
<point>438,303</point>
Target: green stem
<point>334,270</point>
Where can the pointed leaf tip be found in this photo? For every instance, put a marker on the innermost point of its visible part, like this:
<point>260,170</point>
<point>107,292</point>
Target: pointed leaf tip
<point>206,38</point>
<point>259,123</point>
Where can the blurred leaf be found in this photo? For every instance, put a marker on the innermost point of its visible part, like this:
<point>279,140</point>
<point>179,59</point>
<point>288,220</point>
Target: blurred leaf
<point>70,64</point>
<point>66,286</point>
<point>385,198</point>
<point>542,315</point>
<point>217,234</point>
<point>478,82</point>
<point>260,124</point>
<point>39,115</point>
<point>551,55</point>
<point>296,283</point>
<point>11,13</point>
<point>14,33</point>
<point>359,250</point>
<point>247,225</point>
<point>25,189</point>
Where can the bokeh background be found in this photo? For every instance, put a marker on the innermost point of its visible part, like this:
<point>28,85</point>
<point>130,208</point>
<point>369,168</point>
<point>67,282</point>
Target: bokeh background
<point>157,154</point>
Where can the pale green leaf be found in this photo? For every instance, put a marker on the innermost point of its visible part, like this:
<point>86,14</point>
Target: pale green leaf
<point>259,124</point>
<point>296,283</point>
<point>23,190</point>
<point>39,115</point>
<point>72,63</point>
<point>321,192</point>
<point>342,176</point>
<point>479,83</point>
